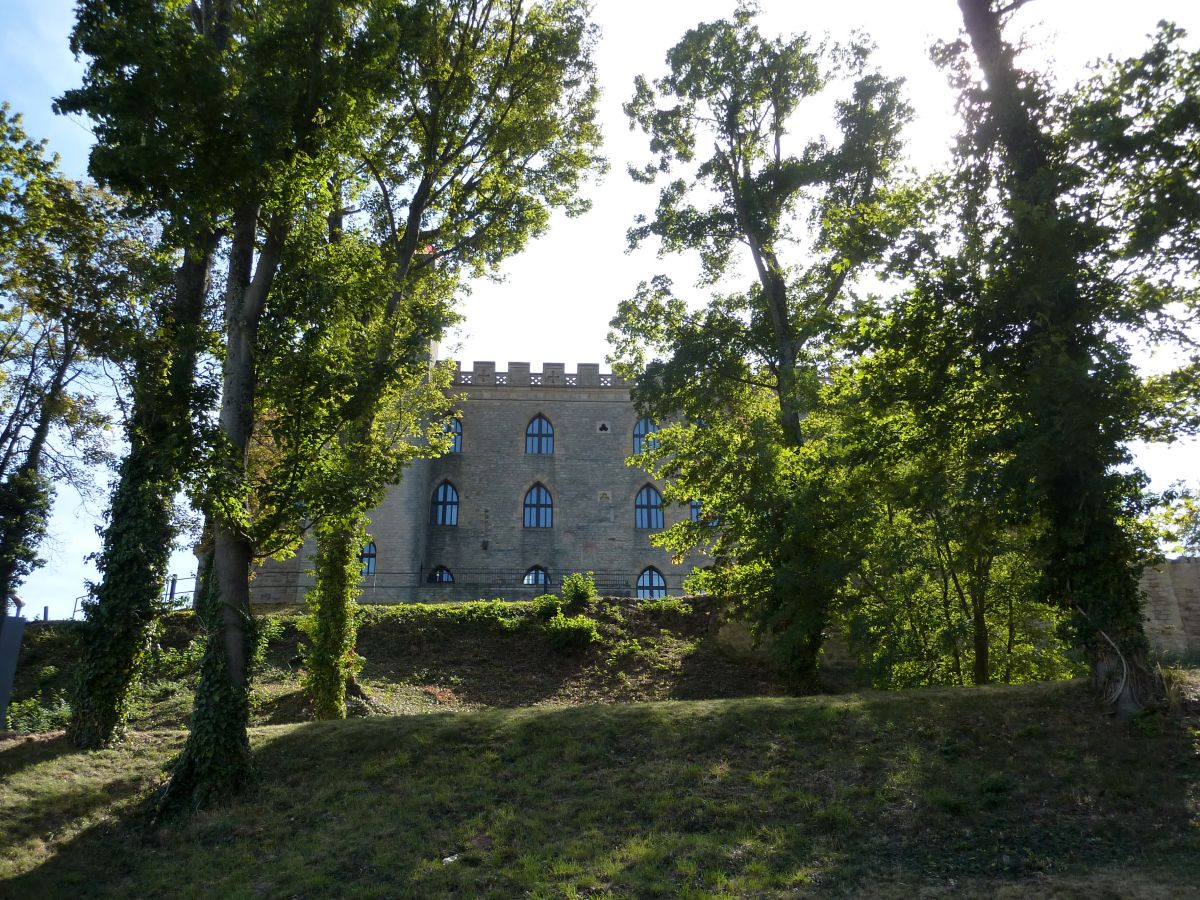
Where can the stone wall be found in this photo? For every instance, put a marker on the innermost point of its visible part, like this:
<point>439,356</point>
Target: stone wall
<point>1173,607</point>
<point>489,551</point>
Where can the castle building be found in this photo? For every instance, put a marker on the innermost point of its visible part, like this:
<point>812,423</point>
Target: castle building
<point>535,487</point>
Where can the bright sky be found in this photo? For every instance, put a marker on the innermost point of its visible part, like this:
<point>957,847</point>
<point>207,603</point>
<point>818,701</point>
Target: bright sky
<point>558,296</point>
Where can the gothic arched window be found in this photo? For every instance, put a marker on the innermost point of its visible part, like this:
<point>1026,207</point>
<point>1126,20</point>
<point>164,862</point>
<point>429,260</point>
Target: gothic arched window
<point>441,575</point>
<point>536,576</point>
<point>367,557</point>
<point>651,585</point>
<point>443,509</point>
<point>643,428</point>
<point>539,508</point>
<point>539,435</point>
<point>647,509</point>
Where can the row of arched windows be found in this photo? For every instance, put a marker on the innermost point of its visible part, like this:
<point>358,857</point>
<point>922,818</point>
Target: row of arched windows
<point>650,582</point>
<point>539,507</point>
<point>539,435</point>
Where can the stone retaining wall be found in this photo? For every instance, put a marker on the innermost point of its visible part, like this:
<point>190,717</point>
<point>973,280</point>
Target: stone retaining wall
<point>1173,607</point>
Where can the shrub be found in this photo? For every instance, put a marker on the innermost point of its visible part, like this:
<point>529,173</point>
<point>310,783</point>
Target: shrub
<point>667,606</point>
<point>31,717</point>
<point>571,634</point>
<point>547,607</point>
<point>578,588</point>
<point>173,664</point>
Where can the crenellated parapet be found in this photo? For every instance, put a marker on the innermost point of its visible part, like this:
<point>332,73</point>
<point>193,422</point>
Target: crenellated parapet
<point>519,374</point>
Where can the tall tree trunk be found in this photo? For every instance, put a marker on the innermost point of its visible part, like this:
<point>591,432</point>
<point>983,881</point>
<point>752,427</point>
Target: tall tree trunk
<point>1091,564</point>
<point>137,540</point>
<point>216,759</point>
<point>330,660</point>
<point>981,639</point>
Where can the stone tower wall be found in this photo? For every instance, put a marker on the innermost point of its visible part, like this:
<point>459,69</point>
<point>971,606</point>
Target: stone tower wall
<point>490,550</point>
<point>1173,607</point>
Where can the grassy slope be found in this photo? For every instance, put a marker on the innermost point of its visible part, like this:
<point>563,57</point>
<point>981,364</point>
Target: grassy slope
<point>456,656</point>
<point>1006,791</point>
<point>515,771</point>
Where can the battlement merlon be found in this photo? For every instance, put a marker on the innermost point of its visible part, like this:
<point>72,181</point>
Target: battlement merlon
<point>587,375</point>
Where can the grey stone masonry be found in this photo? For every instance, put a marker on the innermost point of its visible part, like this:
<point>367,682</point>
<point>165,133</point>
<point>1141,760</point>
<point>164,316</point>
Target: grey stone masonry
<point>1173,607</point>
<point>492,546</point>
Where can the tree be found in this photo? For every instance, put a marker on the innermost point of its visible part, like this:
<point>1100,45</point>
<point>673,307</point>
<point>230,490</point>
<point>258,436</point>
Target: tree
<point>749,365</point>
<point>491,128</point>
<point>73,274</point>
<point>159,93</point>
<point>1053,296</point>
<point>220,117</point>
<point>307,474</point>
<point>944,589</point>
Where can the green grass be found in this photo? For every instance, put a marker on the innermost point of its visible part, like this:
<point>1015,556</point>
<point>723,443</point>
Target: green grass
<point>1001,791</point>
<point>537,769</point>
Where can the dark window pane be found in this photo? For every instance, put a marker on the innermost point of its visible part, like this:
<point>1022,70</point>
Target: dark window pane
<point>367,555</point>
<point>539,508</point>
<point>536,576</point>
<point>640,430</point>
<point>441,575</point>
<point>651,584</point>
<point>539,435</point>
<point>647,509</point>
<point>443,509</point>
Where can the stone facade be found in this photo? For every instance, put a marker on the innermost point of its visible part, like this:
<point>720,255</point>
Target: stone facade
<point>490,551</point>
<point>1173,607</point>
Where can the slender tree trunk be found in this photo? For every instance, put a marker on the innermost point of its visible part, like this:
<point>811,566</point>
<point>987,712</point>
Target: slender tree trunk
<point>1012,639</point>
<point>331,661</point>
<point>216,759</point>
<point>137,540</point>
<point>981,639</point>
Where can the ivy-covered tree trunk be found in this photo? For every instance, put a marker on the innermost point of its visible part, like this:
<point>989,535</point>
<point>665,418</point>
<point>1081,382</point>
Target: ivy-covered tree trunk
<point>137,540</point>
<point>1062,376</point>
<point>216,759</point>
<point>332,626</point>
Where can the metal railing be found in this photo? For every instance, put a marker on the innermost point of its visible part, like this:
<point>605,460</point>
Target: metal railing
<point>178,593</point>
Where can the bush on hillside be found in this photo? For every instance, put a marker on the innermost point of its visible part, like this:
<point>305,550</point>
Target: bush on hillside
<point>579,588</point>
<point>33,717</point>
<point>546,607</point>
<point>571,634</point>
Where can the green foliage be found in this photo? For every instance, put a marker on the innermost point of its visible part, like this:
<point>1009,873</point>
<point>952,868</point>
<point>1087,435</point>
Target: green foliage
<point>740,376</point>
<point>571,634</point>
<point>667,607</point>
<point>578,588</point>
<point>497,129</point>
<point>546,607</point>
<point>1177,521</point>
<point>1073,185</point>
<point>332,623</point>
<point>178,664</point>
<point>74,277</point>
<point>36,715</point>
<point>498,613</point>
